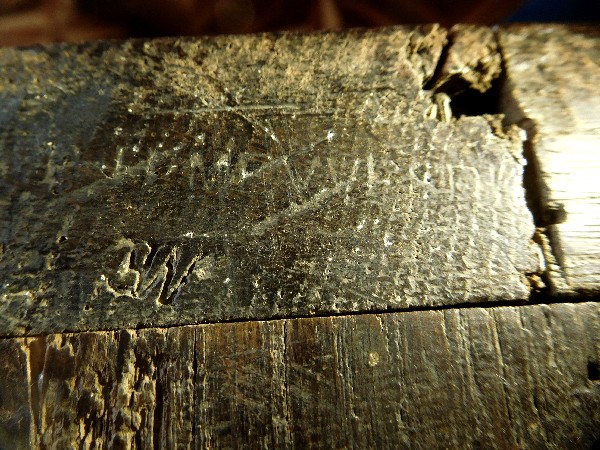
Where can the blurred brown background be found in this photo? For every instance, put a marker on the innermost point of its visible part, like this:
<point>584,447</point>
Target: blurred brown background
<point>26,22</point>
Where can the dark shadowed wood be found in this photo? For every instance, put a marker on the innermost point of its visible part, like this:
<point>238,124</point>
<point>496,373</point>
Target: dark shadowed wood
<point>507,377</point>
<point>183,181</point>
<point>553,77</point>
<point>102,390</point>
<point>15,401</point>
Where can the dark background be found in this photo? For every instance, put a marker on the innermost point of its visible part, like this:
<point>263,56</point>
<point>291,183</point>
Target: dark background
<point>25,22</point>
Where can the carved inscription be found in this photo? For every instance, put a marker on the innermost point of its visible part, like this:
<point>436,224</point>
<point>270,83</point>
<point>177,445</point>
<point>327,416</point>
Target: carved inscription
<point>153,274</point>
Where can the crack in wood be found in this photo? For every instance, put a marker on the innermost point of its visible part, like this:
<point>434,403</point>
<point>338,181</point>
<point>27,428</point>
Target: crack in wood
<point>536,300</point>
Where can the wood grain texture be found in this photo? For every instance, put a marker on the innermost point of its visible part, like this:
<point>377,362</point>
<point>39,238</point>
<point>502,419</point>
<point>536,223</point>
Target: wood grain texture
<point>176,182</point>
<point>100,390</point>
<point>507,377</point>
<point>553,77</point>
<point>15,401</point>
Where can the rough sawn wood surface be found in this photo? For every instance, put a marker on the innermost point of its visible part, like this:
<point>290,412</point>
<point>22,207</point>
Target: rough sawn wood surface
<point>508,377</point>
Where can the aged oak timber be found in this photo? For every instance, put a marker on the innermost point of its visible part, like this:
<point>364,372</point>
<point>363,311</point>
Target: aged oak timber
<point>553,91</point>
<point>504,377</point>
<point>301,241</point>
<point>182,181</point>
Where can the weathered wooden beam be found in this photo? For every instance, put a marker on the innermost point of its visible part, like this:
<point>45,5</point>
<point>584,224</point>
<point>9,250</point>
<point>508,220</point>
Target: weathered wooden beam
<point>150,184</point>
<point>183,181</point>
<point>553,76</point>
<point>505,377</point>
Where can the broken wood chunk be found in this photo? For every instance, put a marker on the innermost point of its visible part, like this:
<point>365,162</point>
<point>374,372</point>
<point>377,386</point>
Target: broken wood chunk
<point>471,61</point>
<point>553,74</point>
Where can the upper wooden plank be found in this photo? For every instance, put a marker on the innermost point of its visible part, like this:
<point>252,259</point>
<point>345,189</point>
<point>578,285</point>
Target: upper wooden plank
<point>554,78</point>
<point>181,181</point>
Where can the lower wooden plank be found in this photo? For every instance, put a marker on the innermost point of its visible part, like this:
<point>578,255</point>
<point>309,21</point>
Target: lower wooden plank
<point>241,388</point>
<point>506,377</point>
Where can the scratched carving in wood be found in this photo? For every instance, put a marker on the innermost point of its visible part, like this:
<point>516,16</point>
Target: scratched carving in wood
<point>181,181</point>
